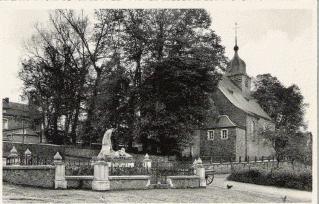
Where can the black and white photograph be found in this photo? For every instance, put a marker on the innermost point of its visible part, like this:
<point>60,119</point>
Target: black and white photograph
<point>204,104</point>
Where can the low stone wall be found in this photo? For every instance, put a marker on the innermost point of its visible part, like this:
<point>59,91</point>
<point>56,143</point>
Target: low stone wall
<point>38,176</point>
<point>183,181</point>
<point>79,182</point>
<point>129,182</point>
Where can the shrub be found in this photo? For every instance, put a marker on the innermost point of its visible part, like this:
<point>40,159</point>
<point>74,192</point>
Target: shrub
<point>301,180</point>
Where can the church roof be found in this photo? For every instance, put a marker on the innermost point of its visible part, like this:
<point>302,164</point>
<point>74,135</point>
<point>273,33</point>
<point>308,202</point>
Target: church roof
<point>236,64</point>
<point>235,96</point>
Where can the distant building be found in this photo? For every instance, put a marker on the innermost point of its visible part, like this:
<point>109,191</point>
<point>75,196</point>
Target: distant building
<point>19,123</point>
<point>234,133</point>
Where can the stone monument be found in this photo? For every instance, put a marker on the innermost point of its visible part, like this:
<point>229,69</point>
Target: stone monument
<point>106,144</point>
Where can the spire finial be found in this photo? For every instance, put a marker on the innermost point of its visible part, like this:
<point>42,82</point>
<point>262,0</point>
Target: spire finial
<point>236,27</point>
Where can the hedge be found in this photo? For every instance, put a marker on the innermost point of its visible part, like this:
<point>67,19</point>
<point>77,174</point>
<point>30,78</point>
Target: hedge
<point>287,178</point>
<point>42,150</point>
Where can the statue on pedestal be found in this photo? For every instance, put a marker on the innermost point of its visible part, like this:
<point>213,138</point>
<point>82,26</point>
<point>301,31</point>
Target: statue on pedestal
<point>106,144</point>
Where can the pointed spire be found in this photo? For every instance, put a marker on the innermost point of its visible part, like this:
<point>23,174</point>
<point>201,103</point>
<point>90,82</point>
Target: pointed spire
<point>236,48</point>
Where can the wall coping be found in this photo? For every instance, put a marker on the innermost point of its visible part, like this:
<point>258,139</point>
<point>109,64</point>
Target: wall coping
<point>30,167</point>
<point>184,177</point>
<point>79,177</point>
<point>135,177</point>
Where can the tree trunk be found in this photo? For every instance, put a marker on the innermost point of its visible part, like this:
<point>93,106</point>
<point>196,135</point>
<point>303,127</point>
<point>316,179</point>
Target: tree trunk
<point>88,125</point>
<point>75,122</point>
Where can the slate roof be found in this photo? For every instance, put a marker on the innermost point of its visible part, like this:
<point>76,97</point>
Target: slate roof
<point>16,109</point>
<point>223,121</point>
<point>235,96</point>
<point>236,65</point>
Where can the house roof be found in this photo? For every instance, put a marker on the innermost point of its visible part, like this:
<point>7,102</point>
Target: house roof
<point>235,96</point>
<point>16,109</point>
<point>18,131</point>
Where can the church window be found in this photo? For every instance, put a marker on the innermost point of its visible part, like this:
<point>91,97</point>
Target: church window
<point>246,83</point>
<point>5,124</point>
<point>253,131</point>
<point>210,135</point>
<point>224,134</point>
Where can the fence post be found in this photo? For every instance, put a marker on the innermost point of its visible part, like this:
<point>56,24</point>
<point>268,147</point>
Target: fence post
<point>59,181</point>
<point>27,157</point>
<point>147,162</point>
<point>13,157</point>
<point>200,171</point>
<point>101,175</point>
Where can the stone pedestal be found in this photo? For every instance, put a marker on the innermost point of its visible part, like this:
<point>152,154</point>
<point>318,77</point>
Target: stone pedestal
<point>200,171</point>
<point>59,180</point>
<point>101,176</point>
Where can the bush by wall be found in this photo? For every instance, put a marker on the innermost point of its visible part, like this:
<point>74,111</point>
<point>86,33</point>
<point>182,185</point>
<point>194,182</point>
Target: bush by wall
<point>287,178</point>
<point>41,150</point>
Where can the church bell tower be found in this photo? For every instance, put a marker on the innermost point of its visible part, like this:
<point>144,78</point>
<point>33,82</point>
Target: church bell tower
<point>236,70</point>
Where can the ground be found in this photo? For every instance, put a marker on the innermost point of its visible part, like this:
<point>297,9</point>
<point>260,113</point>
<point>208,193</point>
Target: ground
<point>216,192</point>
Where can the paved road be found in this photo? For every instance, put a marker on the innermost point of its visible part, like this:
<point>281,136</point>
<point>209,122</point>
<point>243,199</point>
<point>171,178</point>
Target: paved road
<point>291,194</point>
<point>216,193</point>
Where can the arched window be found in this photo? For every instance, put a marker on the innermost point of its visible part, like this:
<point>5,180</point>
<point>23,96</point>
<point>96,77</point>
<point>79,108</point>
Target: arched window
<point>252,130</point>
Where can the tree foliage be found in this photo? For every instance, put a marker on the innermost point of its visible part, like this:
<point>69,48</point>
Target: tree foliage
<point>147,73</point>
<point>286,108</point>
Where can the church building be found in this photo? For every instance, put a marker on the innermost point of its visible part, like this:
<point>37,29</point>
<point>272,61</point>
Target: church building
<point>234,133</point>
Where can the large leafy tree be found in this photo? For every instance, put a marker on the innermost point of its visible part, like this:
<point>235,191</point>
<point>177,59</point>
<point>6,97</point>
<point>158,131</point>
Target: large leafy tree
<point>286,107</point>
<point>54,73</point>
<point>139,69</point>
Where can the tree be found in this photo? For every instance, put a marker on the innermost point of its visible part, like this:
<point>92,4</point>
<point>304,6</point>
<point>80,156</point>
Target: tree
<point>122,58</point>
<point>286,107</point>
<point>175,102</point>
<point>54,73</point>
<point>283,104</point>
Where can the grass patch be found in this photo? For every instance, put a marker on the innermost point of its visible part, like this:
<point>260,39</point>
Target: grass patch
<point>281,177</point>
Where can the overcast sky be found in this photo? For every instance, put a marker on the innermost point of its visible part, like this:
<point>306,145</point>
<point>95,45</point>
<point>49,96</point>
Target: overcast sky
<point>279,42</point>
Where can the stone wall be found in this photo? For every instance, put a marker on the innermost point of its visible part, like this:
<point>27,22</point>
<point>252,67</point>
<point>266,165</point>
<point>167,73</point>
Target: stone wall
<point>183,181</point>
<point>79,182</point>
<point>256,144</point>
<point>218,147</point>
<point>38,176</point>
<point>129,182</point>
<point>240,143</point>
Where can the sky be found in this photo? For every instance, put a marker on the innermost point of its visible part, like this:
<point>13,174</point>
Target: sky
<point>279,42</point>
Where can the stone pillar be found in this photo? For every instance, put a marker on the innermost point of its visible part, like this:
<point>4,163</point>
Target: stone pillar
<point>27,157</point>
<point>59,181</point>
<point>147,162</point>
<point>101,175</point>
<point>200,171</point>
<point>14,157</point>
